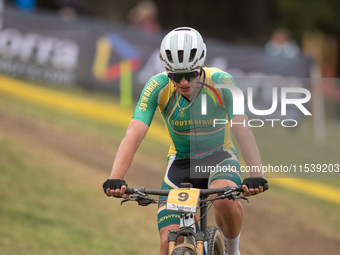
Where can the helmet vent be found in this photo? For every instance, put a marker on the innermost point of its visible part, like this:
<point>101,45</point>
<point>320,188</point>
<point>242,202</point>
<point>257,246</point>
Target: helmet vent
<point>180,56</point>
<point>202,56</point>
<point>182,29</point>
<point>169,56</point>
<point>192,55</point>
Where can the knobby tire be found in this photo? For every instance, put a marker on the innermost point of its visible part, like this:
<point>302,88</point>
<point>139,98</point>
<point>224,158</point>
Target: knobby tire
<point>182,251</point>
<point>215,241</point>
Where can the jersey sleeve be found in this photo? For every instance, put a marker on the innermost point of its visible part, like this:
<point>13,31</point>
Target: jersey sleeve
<point>148,101</point>
<point>221,77</point>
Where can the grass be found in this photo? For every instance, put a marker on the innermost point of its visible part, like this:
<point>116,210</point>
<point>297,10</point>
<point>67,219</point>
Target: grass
<point>52,205</point>
<point>286,146</point>
<point>99,131</point>
<point>297,146</point>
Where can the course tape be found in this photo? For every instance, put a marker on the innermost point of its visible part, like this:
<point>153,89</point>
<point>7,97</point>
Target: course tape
<point>113,114</point>
<point>307,187</point>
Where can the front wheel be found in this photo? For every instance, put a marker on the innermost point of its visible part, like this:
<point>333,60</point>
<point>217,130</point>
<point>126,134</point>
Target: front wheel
<point>215,241</point>
<point>182,251</point>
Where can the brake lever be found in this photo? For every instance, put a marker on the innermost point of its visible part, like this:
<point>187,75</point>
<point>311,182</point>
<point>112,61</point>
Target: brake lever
<point>128,199</point>
<point>141,199</point>
<point>236,195</point>
<point>134,197</point>
<point>240,197</point>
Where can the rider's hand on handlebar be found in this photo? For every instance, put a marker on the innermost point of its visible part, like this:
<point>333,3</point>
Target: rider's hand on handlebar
<point>115,188</point>
<point>253,185</point>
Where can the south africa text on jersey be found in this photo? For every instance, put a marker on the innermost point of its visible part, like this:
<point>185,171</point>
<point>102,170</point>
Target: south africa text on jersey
<point>146,95</point>
<point>191,122</point>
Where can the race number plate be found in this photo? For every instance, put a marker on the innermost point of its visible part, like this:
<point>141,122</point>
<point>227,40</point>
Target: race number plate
<point>183,200</point>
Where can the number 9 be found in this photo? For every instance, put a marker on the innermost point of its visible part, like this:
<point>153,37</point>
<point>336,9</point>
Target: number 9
<point>183,196</point>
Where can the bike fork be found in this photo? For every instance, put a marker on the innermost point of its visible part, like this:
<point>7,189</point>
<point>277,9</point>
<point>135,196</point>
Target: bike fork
<point>204,226</point>
<point>188,230</point>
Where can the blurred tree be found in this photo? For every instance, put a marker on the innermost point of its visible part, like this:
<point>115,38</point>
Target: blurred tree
<point>45,4</point>
<point>112,10</point>
<point>245,20</point>
<point>307,15</point>
<point>242,20</point>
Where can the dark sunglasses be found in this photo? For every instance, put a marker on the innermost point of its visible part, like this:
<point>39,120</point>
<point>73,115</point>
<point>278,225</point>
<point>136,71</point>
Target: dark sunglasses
<point>177,77</point>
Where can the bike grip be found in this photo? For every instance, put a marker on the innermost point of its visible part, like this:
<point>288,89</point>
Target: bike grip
<point>265,187</point>
<point>239,188</point>
<point>129,191</point>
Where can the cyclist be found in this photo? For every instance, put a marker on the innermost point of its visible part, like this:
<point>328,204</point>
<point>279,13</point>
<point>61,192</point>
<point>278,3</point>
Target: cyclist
<point>197,142</point>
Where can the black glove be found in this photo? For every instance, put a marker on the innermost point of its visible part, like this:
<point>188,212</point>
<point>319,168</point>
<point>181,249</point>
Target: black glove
<point>113,184</point>
<point>255,182</point>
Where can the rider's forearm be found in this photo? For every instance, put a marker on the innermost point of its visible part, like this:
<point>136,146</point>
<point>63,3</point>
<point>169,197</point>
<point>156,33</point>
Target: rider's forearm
<point>127,149</point>
<point>125,154</point>
<point>250,151</point>
<point>124,157</point>
<point>251,154</point>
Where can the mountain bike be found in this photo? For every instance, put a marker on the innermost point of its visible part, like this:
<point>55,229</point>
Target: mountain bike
<point>199,239</point>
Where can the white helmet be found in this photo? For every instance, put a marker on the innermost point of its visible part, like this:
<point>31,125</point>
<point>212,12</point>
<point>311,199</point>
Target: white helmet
<point>182,50</point>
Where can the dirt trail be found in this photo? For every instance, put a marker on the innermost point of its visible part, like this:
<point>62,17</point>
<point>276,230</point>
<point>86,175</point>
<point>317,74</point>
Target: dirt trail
<point>268,229</point>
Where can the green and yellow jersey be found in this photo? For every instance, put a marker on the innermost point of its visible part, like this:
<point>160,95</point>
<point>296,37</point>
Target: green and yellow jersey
<point>192,134</point>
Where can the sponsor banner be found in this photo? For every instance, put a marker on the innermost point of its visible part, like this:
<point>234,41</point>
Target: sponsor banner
<point>108,56</point>
<point>36,47</point>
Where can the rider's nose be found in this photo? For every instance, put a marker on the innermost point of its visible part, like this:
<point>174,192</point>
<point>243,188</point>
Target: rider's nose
<point>183,81</point>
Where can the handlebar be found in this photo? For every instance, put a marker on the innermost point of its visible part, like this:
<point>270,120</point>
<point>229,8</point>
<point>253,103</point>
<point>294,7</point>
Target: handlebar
<point>156,192</point>
<point>204,192</point>
<point>141,195</point>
